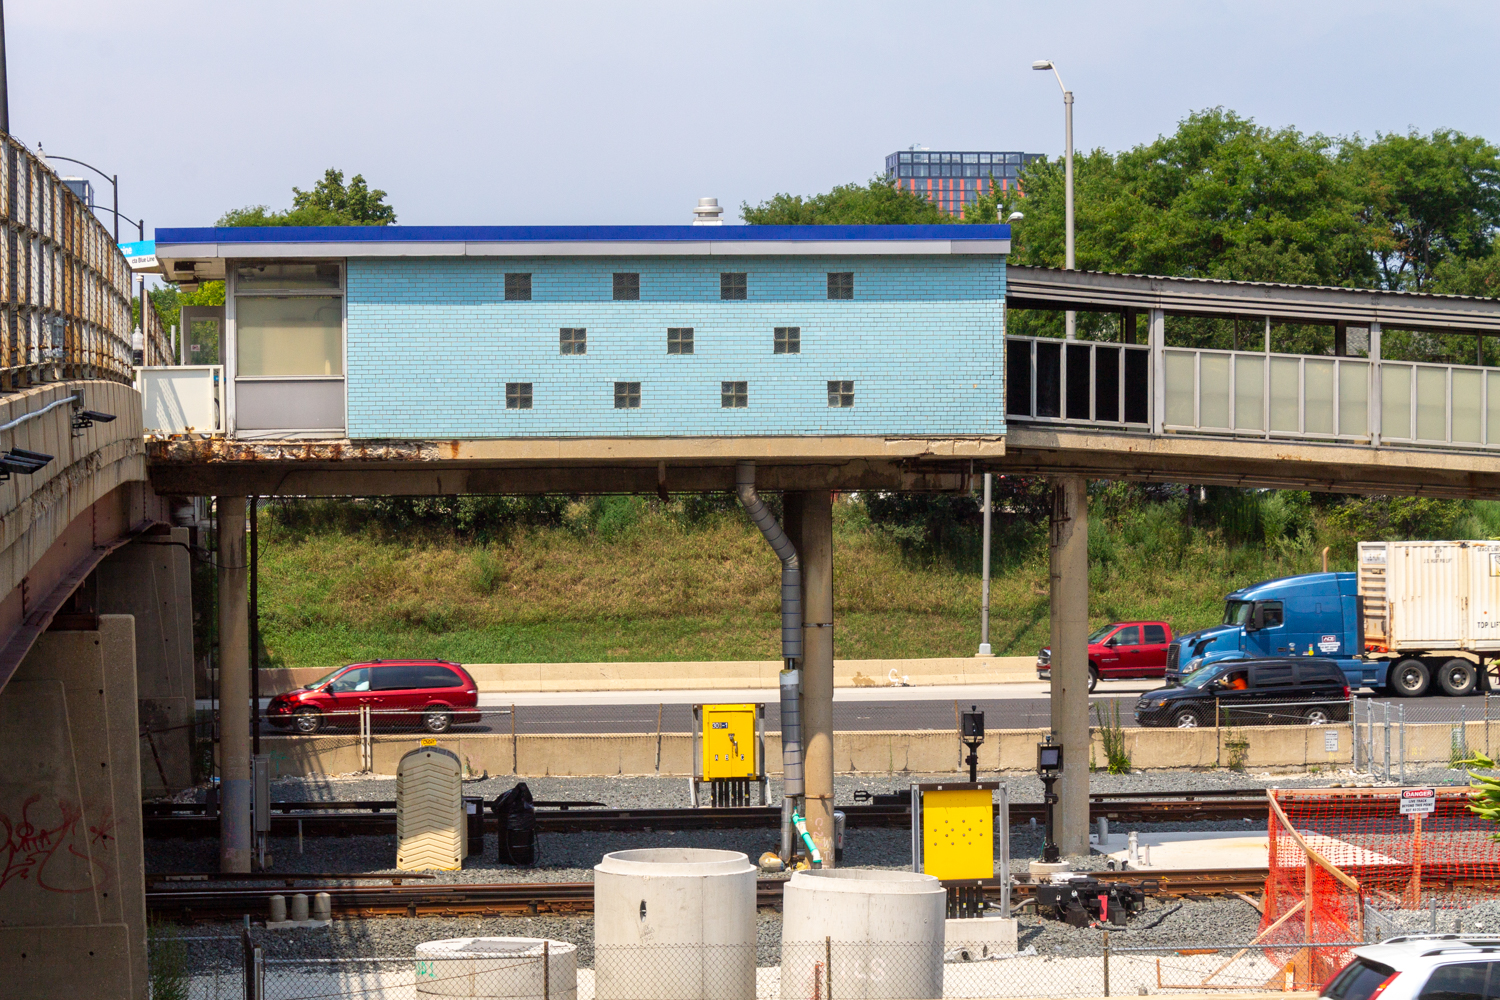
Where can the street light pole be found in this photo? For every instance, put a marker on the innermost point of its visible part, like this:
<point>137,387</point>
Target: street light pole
<point>1046,64</point>
<point>984,601</point>
<point>114,182</point>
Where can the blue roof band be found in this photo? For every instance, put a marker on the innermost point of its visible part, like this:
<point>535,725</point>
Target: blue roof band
<point>579,234</point>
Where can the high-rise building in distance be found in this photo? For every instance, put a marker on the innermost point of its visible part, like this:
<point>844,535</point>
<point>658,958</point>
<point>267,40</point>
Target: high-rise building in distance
<point>952,180</point>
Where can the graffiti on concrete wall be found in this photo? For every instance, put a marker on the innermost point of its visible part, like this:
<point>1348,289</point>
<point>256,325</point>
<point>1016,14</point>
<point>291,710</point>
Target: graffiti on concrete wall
<point>46,843</point>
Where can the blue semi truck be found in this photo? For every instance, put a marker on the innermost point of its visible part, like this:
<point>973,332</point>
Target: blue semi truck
<point>1346,618</point>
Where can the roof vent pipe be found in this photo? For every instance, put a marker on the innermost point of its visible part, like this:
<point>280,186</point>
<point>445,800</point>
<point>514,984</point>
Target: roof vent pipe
<point>708,213</point>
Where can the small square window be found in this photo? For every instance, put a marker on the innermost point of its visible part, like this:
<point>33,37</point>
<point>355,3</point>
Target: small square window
<point>841,394</point>
<point>518,288</point>
<point>788,340</point>
<point>841,284</point>
<point>627,395</point>
<point>734,395</point>
<point>732,285</point>
<point>518,395</point>
<point>627,286</point>
<point>573,340</point>
<point>679,340</point>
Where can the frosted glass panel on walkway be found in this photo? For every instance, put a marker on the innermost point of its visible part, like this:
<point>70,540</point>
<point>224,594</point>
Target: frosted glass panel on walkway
<point>1395,401</point>
<point>1179,388</point>
<point>1213,391</point>
<point>1432,404</point>
<point>1354,398</point>
<point>1494,407</point>
<point>1286,379</point>
<point>1249,392</point>
<point>1317,408</point>
<point>1468,398</point>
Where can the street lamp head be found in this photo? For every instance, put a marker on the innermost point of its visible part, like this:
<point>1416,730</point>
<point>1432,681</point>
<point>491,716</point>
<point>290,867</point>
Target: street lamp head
<point>1042,64</point>
<point>1014,217</point>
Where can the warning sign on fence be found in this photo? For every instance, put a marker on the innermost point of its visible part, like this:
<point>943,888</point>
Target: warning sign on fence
<point>1415,801</point>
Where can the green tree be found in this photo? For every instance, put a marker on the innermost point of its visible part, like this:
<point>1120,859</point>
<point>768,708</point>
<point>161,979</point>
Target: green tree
<point>329,203</point>
<point>1432,199</point>
<point>880,202</point>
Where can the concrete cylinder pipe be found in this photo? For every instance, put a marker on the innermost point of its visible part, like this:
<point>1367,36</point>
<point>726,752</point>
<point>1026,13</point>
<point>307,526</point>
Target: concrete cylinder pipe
<point>674,922</point>
<point>498,967</point>
<point>859,933</point>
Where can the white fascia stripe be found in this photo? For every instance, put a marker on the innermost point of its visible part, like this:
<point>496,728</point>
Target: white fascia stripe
<point>738,248</point>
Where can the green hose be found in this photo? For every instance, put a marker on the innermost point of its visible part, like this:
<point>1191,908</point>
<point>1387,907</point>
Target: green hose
<point>812,849</point>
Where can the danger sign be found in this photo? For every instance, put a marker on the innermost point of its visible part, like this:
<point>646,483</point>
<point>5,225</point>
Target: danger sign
<point>1415,801</point>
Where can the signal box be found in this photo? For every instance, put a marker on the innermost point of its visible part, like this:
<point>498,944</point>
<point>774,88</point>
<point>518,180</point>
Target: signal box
<point>729,753</point>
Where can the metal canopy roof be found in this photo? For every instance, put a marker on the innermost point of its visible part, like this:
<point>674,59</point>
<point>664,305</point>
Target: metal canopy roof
<point>1095,291</point>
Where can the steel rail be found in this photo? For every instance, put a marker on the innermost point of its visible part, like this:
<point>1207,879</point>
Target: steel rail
<point>462,899</point>
<point>346,818</point>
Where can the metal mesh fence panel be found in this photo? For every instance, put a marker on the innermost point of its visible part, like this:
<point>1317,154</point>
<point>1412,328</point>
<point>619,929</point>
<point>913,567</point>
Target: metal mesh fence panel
<point>813,970</point>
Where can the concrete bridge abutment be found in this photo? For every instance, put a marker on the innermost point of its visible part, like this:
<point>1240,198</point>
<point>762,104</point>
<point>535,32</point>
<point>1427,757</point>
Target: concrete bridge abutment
<point>72,895</point>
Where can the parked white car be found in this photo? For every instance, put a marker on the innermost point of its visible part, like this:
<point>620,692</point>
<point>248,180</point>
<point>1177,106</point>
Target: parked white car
<point>1429,966</point>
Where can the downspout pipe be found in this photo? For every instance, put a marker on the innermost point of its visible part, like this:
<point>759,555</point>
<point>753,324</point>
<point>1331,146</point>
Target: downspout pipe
<point>793,787</point>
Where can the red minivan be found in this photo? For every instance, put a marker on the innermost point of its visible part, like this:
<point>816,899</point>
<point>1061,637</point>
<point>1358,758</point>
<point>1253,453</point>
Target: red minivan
<point>400,693</point>
<point>1119,650</point>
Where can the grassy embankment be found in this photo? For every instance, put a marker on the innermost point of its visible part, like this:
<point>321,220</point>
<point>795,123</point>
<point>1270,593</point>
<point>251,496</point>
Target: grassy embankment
<point>662,590</point>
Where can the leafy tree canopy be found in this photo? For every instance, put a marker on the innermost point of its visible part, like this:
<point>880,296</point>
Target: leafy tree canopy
<point>880,202</point>
<point>329,203</point>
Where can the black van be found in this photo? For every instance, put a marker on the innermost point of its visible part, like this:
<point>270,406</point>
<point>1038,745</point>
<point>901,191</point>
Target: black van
<point>1276,691</point>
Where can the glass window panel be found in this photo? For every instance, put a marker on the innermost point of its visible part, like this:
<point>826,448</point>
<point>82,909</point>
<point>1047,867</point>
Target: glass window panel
<point>289,336</point>
<point>1395,401</point>
<point>1106,382</point>
<point>1432,404</point>
<point>1354,398</point>
<point>1286,379</point>
<point>1179,388</point>
<point>1048,378</point>
<point>971,157</point>
<point>286,276</point>
<point>1213,390</point>
<point>1493,422</point>
<point>1249,393</point>
<point>1317,404</point>
<point>905,157</point>
<point>984,157</point>
<point>1467,399</point>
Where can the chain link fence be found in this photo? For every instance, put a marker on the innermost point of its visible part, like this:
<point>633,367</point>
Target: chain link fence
<point>1394,734</point>
<point>812,970</point>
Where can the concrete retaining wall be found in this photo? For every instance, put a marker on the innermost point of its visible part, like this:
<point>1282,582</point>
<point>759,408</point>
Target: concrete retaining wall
<point>496,678</point>
<point>875,752</point>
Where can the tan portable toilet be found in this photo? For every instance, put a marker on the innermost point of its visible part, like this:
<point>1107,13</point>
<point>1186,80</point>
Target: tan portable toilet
<point>431,833</point>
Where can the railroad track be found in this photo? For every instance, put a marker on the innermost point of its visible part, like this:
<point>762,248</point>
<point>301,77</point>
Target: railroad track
<point>348,818</point>
<point>204,901</point>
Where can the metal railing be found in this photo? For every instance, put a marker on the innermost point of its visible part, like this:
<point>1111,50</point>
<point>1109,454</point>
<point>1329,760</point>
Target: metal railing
<point>64,285</point>
<point>1252,394</point>
<point>1077,381</point>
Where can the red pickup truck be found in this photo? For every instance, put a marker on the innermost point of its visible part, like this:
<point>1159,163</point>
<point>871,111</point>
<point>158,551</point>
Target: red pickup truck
<point>1120,650</point>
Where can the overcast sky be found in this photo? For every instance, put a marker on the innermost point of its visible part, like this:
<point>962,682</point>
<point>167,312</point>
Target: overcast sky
<point>534,113</point>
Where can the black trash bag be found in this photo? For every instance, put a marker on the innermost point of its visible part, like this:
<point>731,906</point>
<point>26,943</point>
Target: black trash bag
<point>515,816</point>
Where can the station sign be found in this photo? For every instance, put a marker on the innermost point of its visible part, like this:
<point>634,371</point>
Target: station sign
<point>141,255</point>
<point>1416,801</point>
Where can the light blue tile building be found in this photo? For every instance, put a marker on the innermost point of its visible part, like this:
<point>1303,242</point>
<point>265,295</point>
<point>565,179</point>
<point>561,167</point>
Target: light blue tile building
<point>423,333</point>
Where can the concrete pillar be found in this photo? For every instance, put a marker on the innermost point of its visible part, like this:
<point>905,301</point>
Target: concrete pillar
<point>234,688</point>
<point>1068,559</point>
<point>809,523</point>
<point>151,580</point>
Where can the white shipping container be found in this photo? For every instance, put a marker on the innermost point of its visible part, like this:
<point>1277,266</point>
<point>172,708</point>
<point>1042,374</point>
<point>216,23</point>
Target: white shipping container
<point>1430,596</point>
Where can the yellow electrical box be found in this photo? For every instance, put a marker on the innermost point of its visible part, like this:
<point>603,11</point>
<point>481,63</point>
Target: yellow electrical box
<point>958,833</point>
<point>729,742</point>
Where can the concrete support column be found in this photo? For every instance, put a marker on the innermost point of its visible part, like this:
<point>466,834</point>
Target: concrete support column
<point>809,523</point>
<point>1068,558</point>
<point>234,688</point>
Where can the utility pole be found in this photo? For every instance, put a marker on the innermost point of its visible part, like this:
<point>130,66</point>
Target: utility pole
<point>4,78</point>
<point>1046,64</point>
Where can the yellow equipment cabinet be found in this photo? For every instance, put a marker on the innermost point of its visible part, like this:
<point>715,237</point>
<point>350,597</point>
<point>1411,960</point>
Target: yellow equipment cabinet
<point>954,836</point>
<point>729,753</point>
